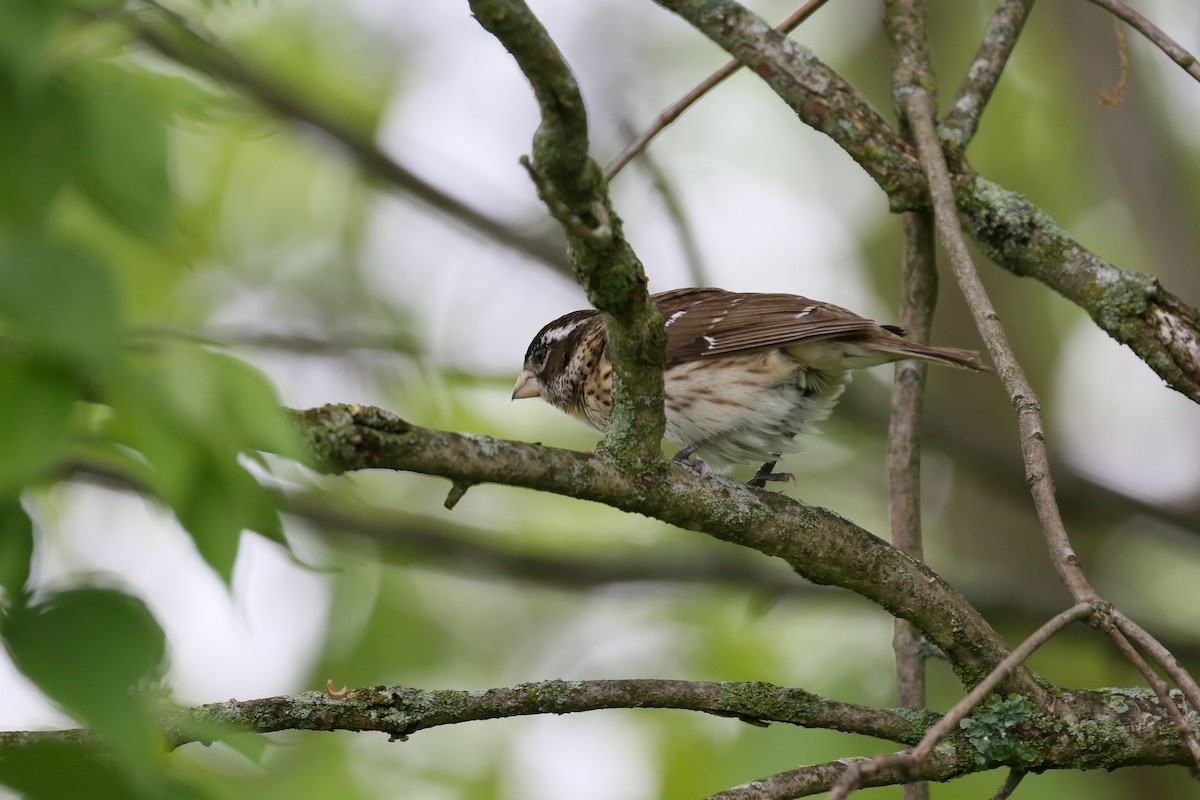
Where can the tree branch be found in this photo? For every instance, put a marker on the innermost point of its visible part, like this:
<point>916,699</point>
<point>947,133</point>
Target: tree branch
<point>819,96</point>
<point>818,544</point>
<point>960,122</point>
<point>1033,447</point>
<point>1050,742</point>
<point>400,711</point>
<point>1131,307</point>
<point>904,23</point>
<point>573,188</point>
<point>1155,34</point>
<point>1131,725</point>
<point>852,778</point>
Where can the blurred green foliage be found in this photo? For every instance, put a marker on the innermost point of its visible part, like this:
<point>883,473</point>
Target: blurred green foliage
<point>143,207</point>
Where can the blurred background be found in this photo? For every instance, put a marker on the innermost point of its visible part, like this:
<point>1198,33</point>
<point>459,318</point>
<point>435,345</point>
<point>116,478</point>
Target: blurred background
<point>268,243</point>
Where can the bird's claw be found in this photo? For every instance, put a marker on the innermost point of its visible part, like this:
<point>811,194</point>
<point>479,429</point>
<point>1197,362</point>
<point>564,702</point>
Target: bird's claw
<point>684,457</point>
<point>764,474</point>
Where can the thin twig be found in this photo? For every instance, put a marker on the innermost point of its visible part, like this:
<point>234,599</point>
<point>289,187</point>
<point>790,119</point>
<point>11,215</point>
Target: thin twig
<point>673,111</point>
<point>1020,391</point>
<point>1010,784</point>
<point>1033,448</point>
<point>1003,29</point>
<point>904,24</point>
<point>1161,690</point>
<point>851,779</point>
<point>1183,679</point>
<point>919,294</point>
<point>1146,28</point>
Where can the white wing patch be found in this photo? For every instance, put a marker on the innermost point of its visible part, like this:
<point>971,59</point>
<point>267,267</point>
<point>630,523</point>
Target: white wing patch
<point>805,312</point>
<point>674,317</point>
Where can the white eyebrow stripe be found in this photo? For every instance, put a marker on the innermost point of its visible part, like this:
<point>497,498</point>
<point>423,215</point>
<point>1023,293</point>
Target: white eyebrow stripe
<point>558,334</point>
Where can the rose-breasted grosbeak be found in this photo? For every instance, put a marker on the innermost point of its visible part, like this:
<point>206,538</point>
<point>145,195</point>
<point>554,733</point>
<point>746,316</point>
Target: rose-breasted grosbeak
<point>744,372</point>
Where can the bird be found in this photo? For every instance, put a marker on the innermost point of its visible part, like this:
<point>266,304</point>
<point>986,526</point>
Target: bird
<point>745,373</point>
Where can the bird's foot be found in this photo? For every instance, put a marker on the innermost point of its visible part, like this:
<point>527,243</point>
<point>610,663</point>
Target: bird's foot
<point>764,474</point>
<point>684,457</point>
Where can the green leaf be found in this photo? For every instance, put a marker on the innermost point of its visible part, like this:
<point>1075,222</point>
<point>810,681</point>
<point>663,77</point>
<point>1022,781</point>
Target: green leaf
<point>60,771</point>
<point>89,650</point>
<point>67,771</point>
<point>252,407</point>
<point>39,144</point>
<point>124,166</point>
<point>16,548</point>
<point>192,413</point>
<point>36,401</point>
<point>60,300</point>
<point>25,30</point>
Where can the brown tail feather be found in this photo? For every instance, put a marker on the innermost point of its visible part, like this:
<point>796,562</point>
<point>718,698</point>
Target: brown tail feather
<point>950,356</point>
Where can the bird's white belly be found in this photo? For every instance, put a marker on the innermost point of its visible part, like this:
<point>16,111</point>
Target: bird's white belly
<point>748,409</point>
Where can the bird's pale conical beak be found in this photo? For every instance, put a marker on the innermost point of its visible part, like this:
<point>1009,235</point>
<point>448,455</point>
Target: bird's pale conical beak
<point>527,386</point>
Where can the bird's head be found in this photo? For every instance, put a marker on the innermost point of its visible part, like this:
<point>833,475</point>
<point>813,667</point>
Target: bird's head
<point>552,369</point>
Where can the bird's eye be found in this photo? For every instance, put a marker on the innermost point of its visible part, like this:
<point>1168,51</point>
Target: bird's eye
<point>537,357</point>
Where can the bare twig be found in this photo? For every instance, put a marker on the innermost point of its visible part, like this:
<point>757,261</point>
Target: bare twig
<point>960,122</point>
<point>1005,790</point>
<point>920,113</point>
<point>852,778</point>
<point>903,21</point>
<point>1161,40</point>
<point>673,111</point>
<point>1161,654</point>
<point>1033,447</point>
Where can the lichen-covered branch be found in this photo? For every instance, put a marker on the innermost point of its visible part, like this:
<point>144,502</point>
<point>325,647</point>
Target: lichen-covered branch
<point>1130,306</point>
<point>1089,730</point>
<point>1108,729</point>
<point>401,711</point>
<point>820,97</point>
<point>820,545</point>
<point>573,188</point>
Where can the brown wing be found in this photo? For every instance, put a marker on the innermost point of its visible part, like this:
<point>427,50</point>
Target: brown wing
<point>703,323</point>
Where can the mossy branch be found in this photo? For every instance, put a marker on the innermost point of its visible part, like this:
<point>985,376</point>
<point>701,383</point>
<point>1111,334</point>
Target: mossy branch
<point>573,188</point>
<point>820,545</point>
<point>1094,729</point>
